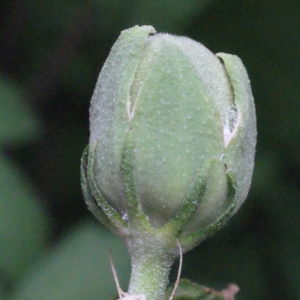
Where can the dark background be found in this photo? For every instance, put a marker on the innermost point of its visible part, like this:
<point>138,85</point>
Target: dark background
<point>50,55</point>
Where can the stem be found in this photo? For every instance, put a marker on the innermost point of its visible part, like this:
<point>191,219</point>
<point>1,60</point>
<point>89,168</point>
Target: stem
<point>150,268</point>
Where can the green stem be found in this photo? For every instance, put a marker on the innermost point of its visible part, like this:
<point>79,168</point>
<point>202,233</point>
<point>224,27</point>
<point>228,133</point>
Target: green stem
<point>150,268</point>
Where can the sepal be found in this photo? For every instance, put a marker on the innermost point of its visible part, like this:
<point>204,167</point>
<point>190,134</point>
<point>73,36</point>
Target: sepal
<point>196,237</point>
<point>94,200</point>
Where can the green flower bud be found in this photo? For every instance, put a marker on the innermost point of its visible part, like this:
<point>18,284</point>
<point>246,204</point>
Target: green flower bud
<point>185,106</point>
<point>172,139</point>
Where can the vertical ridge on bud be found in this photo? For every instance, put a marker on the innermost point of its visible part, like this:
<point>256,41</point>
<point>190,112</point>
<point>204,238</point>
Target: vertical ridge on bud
<point>108,119</point>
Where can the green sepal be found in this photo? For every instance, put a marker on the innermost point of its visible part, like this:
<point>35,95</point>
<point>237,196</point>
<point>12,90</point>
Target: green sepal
<point>94,199</point>
<point>239,153</point>
<point>135,214</point>
<point>190,241</point>
<point>88,197</point>
<point>188,290</point>
<point>189,207</point>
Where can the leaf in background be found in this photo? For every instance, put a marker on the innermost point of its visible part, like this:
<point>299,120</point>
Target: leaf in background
<point>78,267</point>
<point>23,222</point>
<point>188,290</point>
<point>17,122</point>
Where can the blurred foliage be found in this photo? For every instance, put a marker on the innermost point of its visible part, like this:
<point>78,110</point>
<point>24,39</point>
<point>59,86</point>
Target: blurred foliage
<point>77,267</point>
<point>17,122</point>
<point>50,55</point>
<point>23,220</point>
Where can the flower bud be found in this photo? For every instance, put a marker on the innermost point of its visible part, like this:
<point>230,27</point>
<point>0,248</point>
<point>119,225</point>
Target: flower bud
<point>172,136</point>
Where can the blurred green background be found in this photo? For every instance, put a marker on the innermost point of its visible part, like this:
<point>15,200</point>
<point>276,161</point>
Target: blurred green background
<point>50,55</point>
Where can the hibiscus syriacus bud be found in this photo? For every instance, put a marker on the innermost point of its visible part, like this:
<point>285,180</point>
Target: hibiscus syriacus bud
<point>172,142</point>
